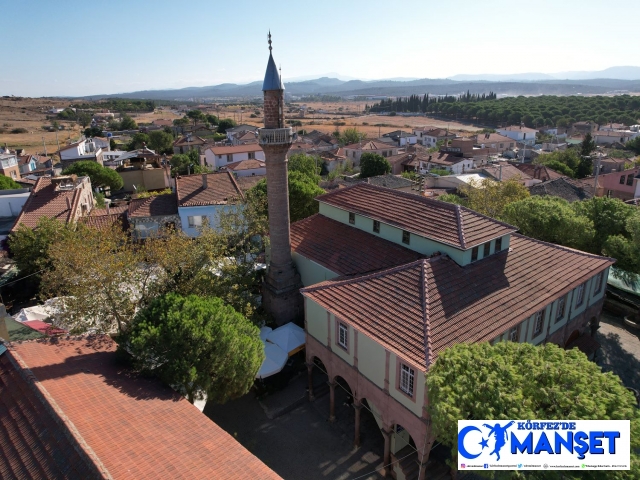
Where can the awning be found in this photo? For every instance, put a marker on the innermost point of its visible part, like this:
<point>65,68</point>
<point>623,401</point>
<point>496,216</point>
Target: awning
<point>289,337</point>
<point>274,361</point>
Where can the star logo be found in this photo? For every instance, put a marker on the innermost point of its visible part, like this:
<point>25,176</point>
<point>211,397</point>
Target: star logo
<point>484,443</point>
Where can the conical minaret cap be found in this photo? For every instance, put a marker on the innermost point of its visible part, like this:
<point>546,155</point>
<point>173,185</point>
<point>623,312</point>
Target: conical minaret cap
<point>272,80</point>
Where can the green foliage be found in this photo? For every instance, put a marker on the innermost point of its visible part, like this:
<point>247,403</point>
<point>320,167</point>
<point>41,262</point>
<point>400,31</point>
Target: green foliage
<point>490,197</point>
<point>184,163</point>
<point>84,118</point>
<point>161,142</point>
<point>7,183</point>
<point>305,164</point>
<point>196,116</point>
<point>587,146</point>
<point>453,198</point>
<point>212,119</point>
<point>99,200</point>
<point>410,175</point>
<point>568,157</point>
<point>19,130</point>
<point>197,345</point>
<point>93,132</point>
<point>155,193</point>
<point>138,141</point>
<point>440,171</point>
<point>67,114</point>
<point>224,124</point>
<point>181,122</point>
<point>100,176</point>
<point>120,105</point>
<point>620,154</point>
<point>625,247</point>
<point>559,167</point>
<point>523,381</point>
<point>373,164</point>
<point>127,123</point>
<point>633,145</point>
<point>350,136</point>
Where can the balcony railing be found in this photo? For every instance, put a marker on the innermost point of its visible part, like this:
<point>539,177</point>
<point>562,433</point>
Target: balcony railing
<point>276,136</point>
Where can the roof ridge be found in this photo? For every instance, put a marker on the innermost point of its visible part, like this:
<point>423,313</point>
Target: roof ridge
<point>463,243</point>
<point>562,247</point>
<point>425,314</point>
<point>235,184</point>
<point>59,416</point>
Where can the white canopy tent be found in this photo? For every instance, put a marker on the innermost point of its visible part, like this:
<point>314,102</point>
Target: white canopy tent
<point>274,361</point>
<point>289,337</point>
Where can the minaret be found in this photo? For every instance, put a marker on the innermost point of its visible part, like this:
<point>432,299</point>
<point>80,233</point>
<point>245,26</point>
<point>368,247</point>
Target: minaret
<point>280,292</point>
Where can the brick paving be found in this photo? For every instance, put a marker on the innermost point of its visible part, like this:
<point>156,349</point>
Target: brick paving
<point>620,349</point>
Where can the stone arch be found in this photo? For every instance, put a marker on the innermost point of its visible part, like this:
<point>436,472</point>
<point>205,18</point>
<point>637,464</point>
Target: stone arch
<point>574,335</point>
<point>401,440</point>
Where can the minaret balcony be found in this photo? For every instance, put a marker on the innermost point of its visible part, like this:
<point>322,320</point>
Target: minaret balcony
<point>276,136</point>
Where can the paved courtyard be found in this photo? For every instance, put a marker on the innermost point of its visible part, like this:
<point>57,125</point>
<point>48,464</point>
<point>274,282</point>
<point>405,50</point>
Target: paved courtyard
<point>620,350</point>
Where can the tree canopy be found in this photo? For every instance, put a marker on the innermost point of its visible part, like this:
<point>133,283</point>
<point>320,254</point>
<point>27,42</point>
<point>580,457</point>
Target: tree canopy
<point>127,123</point>
<point>196,116</point>
<point>349,136</point>
<point>373,164</point>
<point>490,197</point>
<point>100,176</point>
<point>523,381</point>
<point>161,142</point>
<point>305,164</point>
<point>224,124</point>
<point>7,183</point>
<point>184,163</point>
<point>197,345</point>
<point>92,132</point>
<point>138,140</point>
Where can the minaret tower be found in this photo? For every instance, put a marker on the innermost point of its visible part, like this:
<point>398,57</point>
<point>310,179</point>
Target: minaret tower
<point>280,293</point>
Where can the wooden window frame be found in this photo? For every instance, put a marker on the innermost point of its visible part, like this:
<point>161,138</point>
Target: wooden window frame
<point>580,289</point>
<point>352,218</point>
<point>560,313</point>
<point>486,249</point>
<point>411,379</point>
<point>406,237</point>
<point>539,318</point>
<point>599,281</point>
<point>376,226</point>
<point>340,326</point>
<point>474,254</point>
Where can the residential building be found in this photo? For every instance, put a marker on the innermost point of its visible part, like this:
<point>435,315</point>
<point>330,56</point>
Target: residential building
<point>554,146</point>
<point>102,142</point>
<point>105,218</point>
<point>142,169</point>
<point>27,164</point>
<point>451,162</point>
<point>247,168</point>
<point>64,199</point>
<point>392,279</point>
<point>9,166</point>
<point>503,172</point>
<point>81,150</point>
<point>234,134</point>
<point>148,216</point>
<point>537,172</point>
<point>401,138</point>
<point>202,198</point>
<point>354,151</point>
<point>111,157</point>
<point>245,139</point>
<point>624,185</point>
<point>394,182</point>
<point>519,134</point>
<point>494,143</point>
<point>333,160</point>
<point>221,156</point>
<point>562,187</point>
<point>610,164</point>
<point>188,142</point>
<point>430,136</point>
<point>582,128</point>
<point>11,203</point>
<point>322,142</point>
<point>72,411</point>
<point>612,127</point>
<point>608,137</point>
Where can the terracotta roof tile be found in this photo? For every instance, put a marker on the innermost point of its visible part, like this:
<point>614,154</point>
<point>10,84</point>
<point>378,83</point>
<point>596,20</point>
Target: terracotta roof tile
<point>113,210</point>
<point>195,140</point>
<point>235,149</point>
<point>443,222</point>
<point>455,304</point>
<point>157,205</point>
<point>106,221</point>
<point>250,181</point>
<point>370,145</point>
<point>343,249</point>
<point>505,172</point>
<point>539,172</point>
<point>560,187</point>
<point>221,189</point>
<point>245,165</point>
<point>135,427</point>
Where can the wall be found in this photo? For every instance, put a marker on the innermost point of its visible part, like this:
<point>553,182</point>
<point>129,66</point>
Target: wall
<point>154,179</point>
<point>11,201</point>
<point>210,211</point>
<point>251,172</point>
<point>218,161</point>
<point>311,272</point>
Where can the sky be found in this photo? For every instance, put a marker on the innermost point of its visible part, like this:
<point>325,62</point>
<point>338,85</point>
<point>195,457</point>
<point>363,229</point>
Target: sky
<point>77,48</point>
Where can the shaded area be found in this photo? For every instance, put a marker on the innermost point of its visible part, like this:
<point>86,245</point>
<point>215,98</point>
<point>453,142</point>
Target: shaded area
<point>620,350</point>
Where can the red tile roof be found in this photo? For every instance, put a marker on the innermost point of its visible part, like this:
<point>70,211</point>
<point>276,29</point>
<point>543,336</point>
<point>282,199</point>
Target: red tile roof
<point>46,201</point>
<point>505,172</point>
<point>113,210</point>
<point>158,205</point>
<point>221,189</point>
<point>195,140</point>
<point>250,181</point>
<point>518,128</point>
<point>236,149</point>
<point>539,172</point>
<point>136,428</point>
<point>371,145</point>
<point>443,158</point>
<point>423,307</point>
<point>443,222</point>
<point>106,221</point>
<point>245,165</point>
<point>345,250</point>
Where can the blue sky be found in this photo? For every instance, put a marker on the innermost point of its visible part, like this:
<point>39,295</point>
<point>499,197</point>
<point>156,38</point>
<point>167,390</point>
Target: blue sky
<point>85,47</point>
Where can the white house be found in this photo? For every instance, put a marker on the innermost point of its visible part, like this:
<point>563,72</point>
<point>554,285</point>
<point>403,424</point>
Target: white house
<point>247,168</point>
<point>354,151</point>
<point>401,138</point>
<point>218,157</point>
<point>429,136</point>
<point>519,133</point>
<point>455,164</point>
<point>81,150</point>
<point>606,137</point>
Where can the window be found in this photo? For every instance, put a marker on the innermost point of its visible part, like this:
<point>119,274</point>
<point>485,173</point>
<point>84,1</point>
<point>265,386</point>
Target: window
<point>513,334</point>
<point>486,249</point>
<point>501,145</point>
<point>599,282</point>
<point>343,336</point>
<point>560,312</point>
<point>622,180</point>
<point>229,158</point>
<point>252,155</point>
<point>498,244</point>
<point>352,218</point>
<point>196,221</point>
<point>630,180</point>
<point>376,226</point>
<point>474,254</point>
<point>580,295</point>
<point>406,379</point>
<point>539,322</point>
<point>406,237</point>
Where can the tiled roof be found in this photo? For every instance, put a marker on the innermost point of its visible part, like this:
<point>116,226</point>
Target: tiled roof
<point>113,209</point>
<point>195,140</point>
<point>106,221</point>
<point>45,201</point>
<point>518,128</point>
<point>249,181</point>
<point>33,443</point>
<point>443,222</point>
<point>235,149</point>
<point>158,205</point>
<point>343,249</point>
<point>221,189</point>
<point>370,145</point>
<point>390,181</point>
<point>443,158</point>
<point>245,165</point>
<point>423,307</point>
<point>438,132</point>
<point>539,172</point>
<point>505,172</point>
<point>487,138</point>
<point>560,187</point>
<point>135,427</point>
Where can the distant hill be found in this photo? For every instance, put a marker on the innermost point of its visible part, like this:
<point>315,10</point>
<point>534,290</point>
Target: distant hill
<point>618,73</point>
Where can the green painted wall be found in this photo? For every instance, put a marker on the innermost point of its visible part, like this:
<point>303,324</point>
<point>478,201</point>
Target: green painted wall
<point>311,272</point>
<point>594,297</point>
<point>316,321</point>
<point>371,359</point>
<point>346,355</point>
<point>418,385</point>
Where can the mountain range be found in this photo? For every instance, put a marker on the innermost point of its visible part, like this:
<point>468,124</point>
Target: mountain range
<point>614,79</point>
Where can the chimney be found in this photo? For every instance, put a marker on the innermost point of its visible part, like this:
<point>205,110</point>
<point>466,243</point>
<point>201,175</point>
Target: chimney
<point>4,332</point>
<point>68,202</point>
<point>204,181</point>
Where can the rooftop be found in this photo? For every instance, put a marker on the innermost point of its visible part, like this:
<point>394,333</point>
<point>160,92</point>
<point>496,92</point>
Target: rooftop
<point>561,187</point>
<point>224,150</point>
<point>370,145</point>
<point>519,128</point>
<point>245,165</point>
<point>443,222</point>
<point>539,172</point>
<point>221,189</point>
<point>79,412</point>
<point>155,206</point>
<point>421,308</point>
<point>504,172</point>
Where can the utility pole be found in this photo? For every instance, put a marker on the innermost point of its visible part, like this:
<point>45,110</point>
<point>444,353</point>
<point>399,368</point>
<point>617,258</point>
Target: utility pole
<point>595,182</point>
<point>45,146</point>
<point>57,141</point>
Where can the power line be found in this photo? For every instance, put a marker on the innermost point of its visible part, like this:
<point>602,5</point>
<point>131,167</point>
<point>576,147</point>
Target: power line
<point>22,278</point>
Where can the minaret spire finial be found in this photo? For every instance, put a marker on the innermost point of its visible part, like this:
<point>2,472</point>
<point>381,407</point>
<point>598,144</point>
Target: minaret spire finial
<point>269,41</point>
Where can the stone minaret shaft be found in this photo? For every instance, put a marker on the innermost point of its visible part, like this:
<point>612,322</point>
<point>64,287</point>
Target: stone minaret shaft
<point>281,296</point>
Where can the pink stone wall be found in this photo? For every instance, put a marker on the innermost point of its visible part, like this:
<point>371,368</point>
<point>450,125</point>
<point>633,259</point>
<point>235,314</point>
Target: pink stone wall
<point>274,109</point>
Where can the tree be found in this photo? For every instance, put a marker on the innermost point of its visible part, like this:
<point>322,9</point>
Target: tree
<point>350,136</point>
<point>490,197</point>
<point>551,219</point>
<point>559,167</point>
<point>100,176</point>
<point>196,116</point>
<point>211,119</point>
<point>93,132</point>
<point>305,164</point>
<point>609,217</point>
<point>84,118</point>
<point>585,167</point>
<point>161,142</point>
<point>184,163</point>
<point>225,124</point>
<point>138,141</point>
<point>633,145</point>
<point>523,381</point>
<point>181,122</point>
<point>197,345</point>
<point>7,183</point>
<point>127,123</point>
<point>373,164</point>
<point>453,198</point>
<point>587,146</point>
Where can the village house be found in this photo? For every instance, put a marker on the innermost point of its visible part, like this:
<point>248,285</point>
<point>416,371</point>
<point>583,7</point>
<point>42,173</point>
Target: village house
<point>102,142</point>
<point>234,134</point>
<point>27,164</point>
<point>451,162</point>
<point>537,172</point>
<point>387,279</point>
<point>624,185</point>
<point>9,166</point>
<point>221,156</point>
<point>64,199</point>
<point>202,198</point>
<point>148,216</point>
<point>503,172</point>
<point>188,142</point>
<point>247,168</point>
<point>322,142</point>
<point>562,187</point>
<point>11,203</point>
<point>612,127</point>
<point>610,164</point>
<point>494,143</point>
<point>401,139</point>
<point>582,128</point>
<point>142,170</point>
<point>333,160</point>
<point>608,137</point>
<point>354,151</point>
<point>519,133</point>
<point>430,136</point>
<point>54,395</point>
<point>79,151</point>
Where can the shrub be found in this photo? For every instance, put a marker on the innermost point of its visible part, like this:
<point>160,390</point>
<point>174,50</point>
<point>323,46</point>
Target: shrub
<point>19,130</point>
